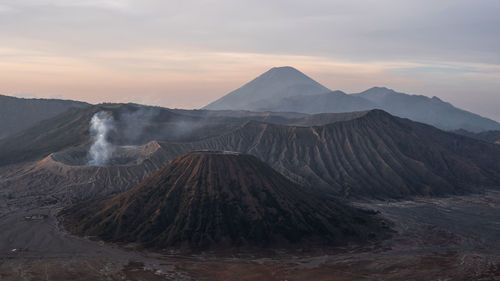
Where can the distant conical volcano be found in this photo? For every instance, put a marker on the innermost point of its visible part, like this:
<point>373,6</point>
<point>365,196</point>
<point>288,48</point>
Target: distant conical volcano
<point>220,199</point>
<point>285,89</point>
<point>275,84</point>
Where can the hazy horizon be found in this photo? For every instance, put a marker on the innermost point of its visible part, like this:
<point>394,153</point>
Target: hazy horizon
<point>187,54</point>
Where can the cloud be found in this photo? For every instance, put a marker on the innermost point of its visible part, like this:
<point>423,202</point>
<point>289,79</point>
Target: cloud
<point>100,4</point>
<point>5,9</point>
<point>456,30</point>
<point>187,53</point>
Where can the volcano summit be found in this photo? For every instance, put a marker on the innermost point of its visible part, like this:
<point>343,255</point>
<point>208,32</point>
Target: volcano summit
<point>220,200</point>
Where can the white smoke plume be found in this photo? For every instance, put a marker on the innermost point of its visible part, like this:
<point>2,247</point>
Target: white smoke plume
<point>135,123</point>
<point>101,150</point>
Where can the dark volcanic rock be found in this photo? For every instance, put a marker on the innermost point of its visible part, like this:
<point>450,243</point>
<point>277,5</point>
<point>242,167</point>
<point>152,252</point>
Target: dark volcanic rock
<point>220,199</point>
<point>65,177</point>
<point>373,156</point>
<point>488,136</point>
<point>362,154</point>
<point>18,114</point>
<point>137,125</point>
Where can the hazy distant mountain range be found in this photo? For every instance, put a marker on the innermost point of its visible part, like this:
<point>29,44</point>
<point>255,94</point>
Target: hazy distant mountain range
<point>281,89</point>
<point>432,111</point>
<point>285,89</point>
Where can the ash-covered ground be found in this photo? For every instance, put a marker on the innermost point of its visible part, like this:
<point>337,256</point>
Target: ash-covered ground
<point>453,238</point>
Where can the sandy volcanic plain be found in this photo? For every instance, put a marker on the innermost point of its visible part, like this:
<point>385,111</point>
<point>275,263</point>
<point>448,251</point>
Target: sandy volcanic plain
<point>450,238</point>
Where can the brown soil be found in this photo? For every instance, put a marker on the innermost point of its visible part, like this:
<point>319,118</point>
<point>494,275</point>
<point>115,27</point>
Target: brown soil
<point>221,199</point>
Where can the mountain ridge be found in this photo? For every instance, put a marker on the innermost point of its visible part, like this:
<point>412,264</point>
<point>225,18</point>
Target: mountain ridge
<point>375,155</point>
<point>18,114</point>
<point>144,124</point>
<point>432,111</point>
<point>369,154</point>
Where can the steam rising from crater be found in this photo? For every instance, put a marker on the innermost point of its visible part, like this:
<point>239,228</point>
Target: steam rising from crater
<point>101,150</point>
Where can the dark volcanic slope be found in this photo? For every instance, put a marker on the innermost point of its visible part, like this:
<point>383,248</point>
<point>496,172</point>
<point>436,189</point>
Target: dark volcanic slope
<point>488,136</point>
<point>219,199</point>
<point>67,129</point>
<point>362,154</point>
<point>71,128</point>
<point>376,155</point>
<point>281,118</point>
<point>18,114</point>
<point>63,178</point>
<point>137,125</point>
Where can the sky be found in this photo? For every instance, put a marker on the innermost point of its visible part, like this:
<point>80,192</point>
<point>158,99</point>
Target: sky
<point>185,54</point>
